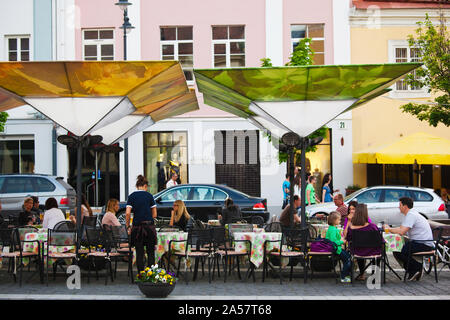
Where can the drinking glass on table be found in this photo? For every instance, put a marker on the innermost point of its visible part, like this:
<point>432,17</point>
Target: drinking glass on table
<point>67,214</point>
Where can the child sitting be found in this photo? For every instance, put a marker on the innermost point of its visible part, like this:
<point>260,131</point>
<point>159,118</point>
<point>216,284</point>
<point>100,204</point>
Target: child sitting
<point>334,235</point>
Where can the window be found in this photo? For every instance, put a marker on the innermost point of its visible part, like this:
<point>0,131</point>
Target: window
<point>43,185</point>
<point>316,33</point>
<point>164,153</point>
<point>393,195</point>
<point>228,46</point>
<point>18,185</point>
<point>177,194</point>
<point>18,48</point>
<point>16,156</point>
<point>98,44</point>
<point>406,54</point>
<point>369,196</point>
<point>177,44</point>
<point>421,196</point>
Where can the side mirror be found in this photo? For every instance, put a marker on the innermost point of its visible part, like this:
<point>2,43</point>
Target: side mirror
<point>158,200</point>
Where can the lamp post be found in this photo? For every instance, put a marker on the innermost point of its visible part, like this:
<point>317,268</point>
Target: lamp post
<point>127,27</point>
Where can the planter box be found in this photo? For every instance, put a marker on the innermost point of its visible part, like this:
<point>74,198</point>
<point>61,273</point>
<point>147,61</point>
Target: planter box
<point>155,290</point>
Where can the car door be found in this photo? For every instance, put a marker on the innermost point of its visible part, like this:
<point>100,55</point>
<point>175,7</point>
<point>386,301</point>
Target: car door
<point>165,200</point>
<point>389,208</point>
<point>372,199</point>
<point>14,191</point>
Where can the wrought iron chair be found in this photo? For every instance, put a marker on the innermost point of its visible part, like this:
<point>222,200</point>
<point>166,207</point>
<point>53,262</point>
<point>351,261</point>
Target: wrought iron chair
<point>199,246</point>
<point>120,240</point>
<point>368,239</point>
<point>63,236</point>
<point>431,254</point>
<point>294,240</point>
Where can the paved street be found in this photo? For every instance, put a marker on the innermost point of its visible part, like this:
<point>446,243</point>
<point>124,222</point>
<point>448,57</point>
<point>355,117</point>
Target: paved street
<point>323,286</point>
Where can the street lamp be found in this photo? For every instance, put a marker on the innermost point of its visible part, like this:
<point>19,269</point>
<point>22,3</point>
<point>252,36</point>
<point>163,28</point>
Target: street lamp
<point>127,27</point>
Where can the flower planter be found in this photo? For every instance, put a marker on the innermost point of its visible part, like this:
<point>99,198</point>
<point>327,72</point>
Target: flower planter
<point>155,290</point>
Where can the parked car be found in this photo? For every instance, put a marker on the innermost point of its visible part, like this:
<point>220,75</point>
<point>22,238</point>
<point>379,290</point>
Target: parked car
<point>14,188</point>
<point>382,203</point>
<point>203,200</point>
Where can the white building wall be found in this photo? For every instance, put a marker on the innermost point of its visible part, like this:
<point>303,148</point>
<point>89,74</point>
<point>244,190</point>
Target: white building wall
<point>16,18</point>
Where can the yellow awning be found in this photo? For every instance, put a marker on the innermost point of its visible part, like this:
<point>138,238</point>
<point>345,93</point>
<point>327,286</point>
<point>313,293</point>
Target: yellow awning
<point>421,147</point>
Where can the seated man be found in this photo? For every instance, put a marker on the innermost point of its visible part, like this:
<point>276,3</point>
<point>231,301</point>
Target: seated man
<point>416,227</point>
<point>284,217</point>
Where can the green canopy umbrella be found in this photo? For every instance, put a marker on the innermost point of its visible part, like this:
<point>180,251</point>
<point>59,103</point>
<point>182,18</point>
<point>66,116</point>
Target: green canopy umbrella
<point>297,99</point>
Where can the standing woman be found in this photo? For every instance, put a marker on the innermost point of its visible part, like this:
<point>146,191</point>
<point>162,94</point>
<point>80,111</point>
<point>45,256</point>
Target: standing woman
<point>326,188</point>
<point>143,232</point>
<point>311,197</point>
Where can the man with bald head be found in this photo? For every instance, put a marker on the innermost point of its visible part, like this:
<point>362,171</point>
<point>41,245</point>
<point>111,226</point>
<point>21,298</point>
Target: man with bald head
<point>341,207</point>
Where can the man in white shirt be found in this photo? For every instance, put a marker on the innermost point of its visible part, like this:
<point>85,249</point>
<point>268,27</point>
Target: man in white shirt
<point>173,181</point>
<point>416,227</point>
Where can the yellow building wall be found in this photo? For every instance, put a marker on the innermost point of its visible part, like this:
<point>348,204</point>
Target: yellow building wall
<point>381,121</point>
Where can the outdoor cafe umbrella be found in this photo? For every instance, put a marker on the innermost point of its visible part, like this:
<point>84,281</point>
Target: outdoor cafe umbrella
<point>298,100</point>
<point>83,96</point>
<point>418,148</point>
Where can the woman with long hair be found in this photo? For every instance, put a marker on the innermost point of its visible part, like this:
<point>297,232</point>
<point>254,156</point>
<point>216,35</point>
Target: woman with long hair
<point>179,215</point>
<point>360,221</point>
<point>86,210</point>
<point>53,215</point>
<point>229,212</point>
<point>143,231</point>
<point>110,216</point>
<point>326,188</point>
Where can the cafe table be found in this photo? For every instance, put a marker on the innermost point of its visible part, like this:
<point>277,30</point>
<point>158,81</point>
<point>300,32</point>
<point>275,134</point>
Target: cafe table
<point>257,240</point>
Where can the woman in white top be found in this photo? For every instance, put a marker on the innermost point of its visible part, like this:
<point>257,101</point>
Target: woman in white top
<point>52,214</point>
<point>110,216</point>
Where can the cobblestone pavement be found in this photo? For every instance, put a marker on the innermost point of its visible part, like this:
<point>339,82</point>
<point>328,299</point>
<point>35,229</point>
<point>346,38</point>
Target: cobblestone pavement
<point>323,286</point>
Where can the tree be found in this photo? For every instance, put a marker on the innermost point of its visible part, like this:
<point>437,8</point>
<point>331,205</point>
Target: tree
<point>433,48</point>
<point>3,117</point>
<point>302,56</point>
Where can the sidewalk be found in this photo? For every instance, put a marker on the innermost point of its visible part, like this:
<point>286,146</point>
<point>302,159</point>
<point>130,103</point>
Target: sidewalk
<point>323,286</point>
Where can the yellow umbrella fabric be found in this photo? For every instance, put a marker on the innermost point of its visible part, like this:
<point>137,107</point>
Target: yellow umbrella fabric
<point>421,147</point>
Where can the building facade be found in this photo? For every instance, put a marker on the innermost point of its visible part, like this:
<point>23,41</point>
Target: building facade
<point>379,33</point>
<point>207,145</point>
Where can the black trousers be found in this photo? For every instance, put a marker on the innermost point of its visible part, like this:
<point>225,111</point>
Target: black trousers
<point>144,235</point>
<point>402,256</point>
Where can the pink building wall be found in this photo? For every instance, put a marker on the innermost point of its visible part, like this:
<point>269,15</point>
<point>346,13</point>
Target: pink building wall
<point>202,15</point>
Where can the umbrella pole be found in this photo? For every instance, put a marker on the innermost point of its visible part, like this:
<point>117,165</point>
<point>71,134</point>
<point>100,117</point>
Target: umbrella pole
<point>79,189</point>
<point>303,183</point>
<point>107,178</point>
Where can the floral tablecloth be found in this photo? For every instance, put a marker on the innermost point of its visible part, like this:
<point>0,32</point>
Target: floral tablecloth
<point>394,242</point>
<point>164,238</point>
<point>257,240</point>
<point>41,236</point>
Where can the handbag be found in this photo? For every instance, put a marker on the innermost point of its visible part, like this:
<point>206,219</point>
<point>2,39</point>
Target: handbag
<point>323,245</point>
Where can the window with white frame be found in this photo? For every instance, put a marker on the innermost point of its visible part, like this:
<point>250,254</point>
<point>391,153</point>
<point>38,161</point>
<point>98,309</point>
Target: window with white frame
<point>98,44</point>
<point>18,48</point>
<point>316,33</point>
<point>228,46</point>
<point>406,54</point>
<point>177,44</point>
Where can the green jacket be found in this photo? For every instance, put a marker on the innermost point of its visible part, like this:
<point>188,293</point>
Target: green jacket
<point>333,234</point>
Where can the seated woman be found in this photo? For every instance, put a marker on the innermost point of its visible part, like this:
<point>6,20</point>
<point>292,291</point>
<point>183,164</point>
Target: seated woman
<point>86,210</point>
<point>360,221</point>
<point>179,216</point>
<point>26,217</point>
<point>52,214</point>
<point>110,216</point>
<point>230,212</point>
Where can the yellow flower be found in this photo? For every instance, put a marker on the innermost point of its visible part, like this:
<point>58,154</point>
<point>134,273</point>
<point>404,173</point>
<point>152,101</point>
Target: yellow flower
<point>146,269</point>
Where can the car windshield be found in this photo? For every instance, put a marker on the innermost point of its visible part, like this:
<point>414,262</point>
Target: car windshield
<point>352,195</point>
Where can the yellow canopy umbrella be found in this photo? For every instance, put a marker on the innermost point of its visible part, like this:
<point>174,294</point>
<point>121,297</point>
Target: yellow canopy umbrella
<point>418,148</point>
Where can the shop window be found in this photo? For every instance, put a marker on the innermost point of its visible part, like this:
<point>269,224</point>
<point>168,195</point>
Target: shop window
<point>164,153</point>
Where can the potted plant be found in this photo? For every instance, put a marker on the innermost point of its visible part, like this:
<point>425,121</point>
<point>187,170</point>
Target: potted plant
<point>155,282</point>
<point>352,188</point>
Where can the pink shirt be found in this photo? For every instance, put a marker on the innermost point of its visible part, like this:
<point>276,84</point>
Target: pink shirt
<point>110,219</point>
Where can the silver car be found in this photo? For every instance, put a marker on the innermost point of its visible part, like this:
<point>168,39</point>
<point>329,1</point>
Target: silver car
<point>14,188</point>
<point>383,203</point>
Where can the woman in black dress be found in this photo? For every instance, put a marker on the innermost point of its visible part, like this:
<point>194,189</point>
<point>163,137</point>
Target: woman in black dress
<point>143,231</point>
<point>179,216</point>
<point>230,212</point>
